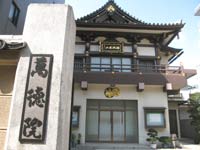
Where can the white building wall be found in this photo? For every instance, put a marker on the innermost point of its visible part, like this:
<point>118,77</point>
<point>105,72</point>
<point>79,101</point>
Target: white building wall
<point>152,96</point>
<point>79,49</point>
<point>146,51</point>
<point>164,59</point>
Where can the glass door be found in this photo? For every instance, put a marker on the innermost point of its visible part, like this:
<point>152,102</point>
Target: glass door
<point>118,126</point>
<point>105,126</point>
<point>112,121</point>
<point>92,125</point>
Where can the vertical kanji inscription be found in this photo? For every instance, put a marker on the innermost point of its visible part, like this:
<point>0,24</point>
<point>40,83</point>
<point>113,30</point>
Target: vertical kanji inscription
<point>40,67</point>
<point>36,99</point>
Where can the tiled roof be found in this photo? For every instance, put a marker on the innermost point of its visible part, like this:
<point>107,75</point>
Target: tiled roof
<point>111,13</point>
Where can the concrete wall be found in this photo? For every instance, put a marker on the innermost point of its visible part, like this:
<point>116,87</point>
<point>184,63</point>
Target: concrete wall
<point>152,96</point>
<point>6,26</point>
<point>7,74</point>
<point>54,34</point>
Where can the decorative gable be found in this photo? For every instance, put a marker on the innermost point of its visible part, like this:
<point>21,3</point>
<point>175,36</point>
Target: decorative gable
<point>110,13</point>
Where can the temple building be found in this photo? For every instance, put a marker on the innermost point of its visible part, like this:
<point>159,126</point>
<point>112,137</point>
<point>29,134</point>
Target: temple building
<point>123,81</point>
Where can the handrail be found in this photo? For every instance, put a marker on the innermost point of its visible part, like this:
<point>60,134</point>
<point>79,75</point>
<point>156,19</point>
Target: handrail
<point>127,68</point>
<point>178,96</point>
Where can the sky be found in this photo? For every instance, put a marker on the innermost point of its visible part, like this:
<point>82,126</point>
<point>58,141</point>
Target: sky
<point>160,11</point>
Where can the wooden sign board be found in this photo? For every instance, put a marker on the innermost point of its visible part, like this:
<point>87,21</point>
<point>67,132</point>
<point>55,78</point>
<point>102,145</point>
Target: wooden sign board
<point>112,47</point>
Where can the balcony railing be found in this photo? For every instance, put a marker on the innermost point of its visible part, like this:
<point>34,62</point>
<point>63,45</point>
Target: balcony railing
<point>87,67</point>
<point>176,97</point>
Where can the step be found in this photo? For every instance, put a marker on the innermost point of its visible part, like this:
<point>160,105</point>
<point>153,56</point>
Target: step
<point>106,146</point>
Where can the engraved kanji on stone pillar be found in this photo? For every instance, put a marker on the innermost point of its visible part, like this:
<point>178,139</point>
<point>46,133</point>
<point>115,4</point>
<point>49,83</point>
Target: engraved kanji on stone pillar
<point>36,99</point>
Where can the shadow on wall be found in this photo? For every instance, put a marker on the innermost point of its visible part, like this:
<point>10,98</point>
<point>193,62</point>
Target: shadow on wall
<point>7,76</point>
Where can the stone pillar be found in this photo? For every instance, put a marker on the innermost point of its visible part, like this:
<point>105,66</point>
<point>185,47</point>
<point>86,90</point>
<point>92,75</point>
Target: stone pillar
<point>49,29</point>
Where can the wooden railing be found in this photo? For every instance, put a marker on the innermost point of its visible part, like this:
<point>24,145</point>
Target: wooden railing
<point>87,67</point>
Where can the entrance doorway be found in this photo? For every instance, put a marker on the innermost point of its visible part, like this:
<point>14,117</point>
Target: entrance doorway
<point>111,121</point>
<point>173,122</point>
<point>112,126</point>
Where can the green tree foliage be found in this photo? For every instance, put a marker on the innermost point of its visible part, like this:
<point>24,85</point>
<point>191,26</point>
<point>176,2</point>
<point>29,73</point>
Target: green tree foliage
<point>195,96</point>
<point>195,114</point>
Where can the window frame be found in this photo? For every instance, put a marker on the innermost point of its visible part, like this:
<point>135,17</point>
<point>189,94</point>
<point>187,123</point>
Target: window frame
<point>76,109</point>
<point>120,67</point>
<point>160,110</point>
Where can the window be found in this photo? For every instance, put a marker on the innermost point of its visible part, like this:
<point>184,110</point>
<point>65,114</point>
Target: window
<point>75,116</point>
<point>14,13</point>
<point>126,64</point>
<point>154,117</point>
<point>78,64</point>
<point>95,64</point>
<point>105,64</point>
<point>116,64</point>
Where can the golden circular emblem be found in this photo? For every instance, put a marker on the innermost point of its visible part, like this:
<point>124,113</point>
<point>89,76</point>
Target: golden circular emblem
<point>108,92</point>
<point>116,91</point>
<point>111,92</point>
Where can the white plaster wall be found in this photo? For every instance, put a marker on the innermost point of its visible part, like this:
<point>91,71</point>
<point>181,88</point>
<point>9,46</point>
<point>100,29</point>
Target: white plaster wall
<point>94,48</point>
<point>145,41</point>
<point>79,49</point>
<point>98,39</point>
<point>128,49</point>
<point>146,51</point>
<point>152,96</point>
<point>121,39</point>
<point>164,58</point>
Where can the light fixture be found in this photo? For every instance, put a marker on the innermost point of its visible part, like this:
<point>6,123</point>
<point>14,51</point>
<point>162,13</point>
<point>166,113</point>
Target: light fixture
<point>140,87</point>
<point>84,85</point>
<point>167,87</point>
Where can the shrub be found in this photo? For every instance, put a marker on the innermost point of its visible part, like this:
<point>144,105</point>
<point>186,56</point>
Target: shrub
<point>153,136</point>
